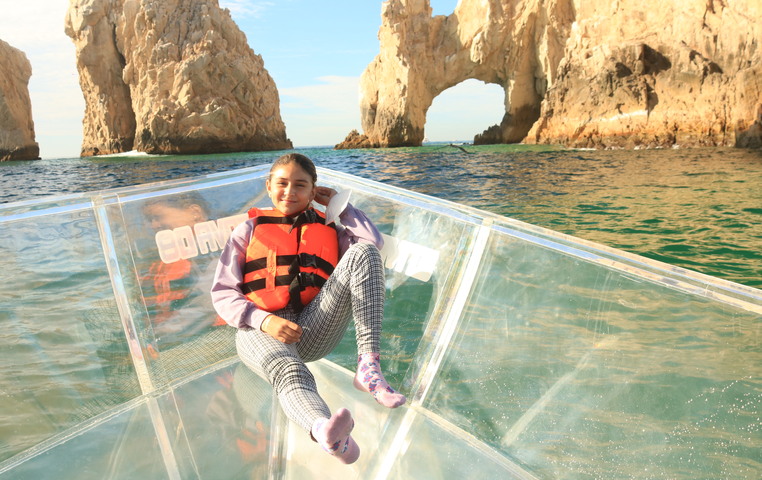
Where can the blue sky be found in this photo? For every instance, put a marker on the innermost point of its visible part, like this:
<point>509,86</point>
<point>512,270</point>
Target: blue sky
<point>315,52</point>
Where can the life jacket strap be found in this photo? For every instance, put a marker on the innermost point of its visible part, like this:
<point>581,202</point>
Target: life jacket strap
<point>261,283</point>
<point>261,220</point>
<point>307,216</point>
<point>296,283</point>
<point>313,261</point>
<point>295,261</point>
<point>300,282</point>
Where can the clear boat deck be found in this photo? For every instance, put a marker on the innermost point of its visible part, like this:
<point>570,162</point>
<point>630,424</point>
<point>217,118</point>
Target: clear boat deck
<point>524,353</point>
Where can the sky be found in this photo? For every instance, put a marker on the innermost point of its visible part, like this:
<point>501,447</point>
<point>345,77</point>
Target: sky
<point>314,51</point>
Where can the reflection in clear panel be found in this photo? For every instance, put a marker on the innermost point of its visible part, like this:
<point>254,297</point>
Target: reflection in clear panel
<point>173,240</point>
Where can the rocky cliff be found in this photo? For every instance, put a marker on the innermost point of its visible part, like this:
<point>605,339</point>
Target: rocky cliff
<point>626,73</point>
<point>16,125</point>
<point>171,76</point>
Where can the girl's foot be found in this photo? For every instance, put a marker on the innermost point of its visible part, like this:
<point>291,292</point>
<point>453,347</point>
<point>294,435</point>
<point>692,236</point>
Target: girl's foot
<point>370,379</point>
<point>333,435</point>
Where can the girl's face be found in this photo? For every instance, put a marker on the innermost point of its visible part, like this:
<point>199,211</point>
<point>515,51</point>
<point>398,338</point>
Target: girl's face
<point>290,188</point>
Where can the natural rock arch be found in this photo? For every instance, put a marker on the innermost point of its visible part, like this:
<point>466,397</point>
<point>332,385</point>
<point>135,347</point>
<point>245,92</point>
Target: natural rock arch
<point>422,56</point>
<point>583,74</point>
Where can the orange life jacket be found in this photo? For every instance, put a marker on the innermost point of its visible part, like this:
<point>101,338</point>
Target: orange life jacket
<point>288,259</point>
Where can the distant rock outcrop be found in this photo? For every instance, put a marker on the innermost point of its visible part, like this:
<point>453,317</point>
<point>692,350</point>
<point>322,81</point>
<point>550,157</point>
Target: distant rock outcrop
<point>586,74</point>
<point>171,76</point>
<point>16,125</point>
<point>355,139</point>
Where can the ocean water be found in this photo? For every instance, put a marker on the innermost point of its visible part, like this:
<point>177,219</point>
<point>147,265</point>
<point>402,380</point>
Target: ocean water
<point>696,208</point>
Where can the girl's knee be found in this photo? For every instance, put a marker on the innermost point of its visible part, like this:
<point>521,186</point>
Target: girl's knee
<point>287,373</point>
<point>364,253</point>
<point>364,249</point>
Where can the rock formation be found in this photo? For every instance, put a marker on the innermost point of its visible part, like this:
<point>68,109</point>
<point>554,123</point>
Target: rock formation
<point>16,125</point>
<point>586,74</point>
<point>171,76</point>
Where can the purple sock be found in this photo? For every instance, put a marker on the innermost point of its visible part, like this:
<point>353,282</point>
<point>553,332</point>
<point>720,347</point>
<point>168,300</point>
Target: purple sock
<point>333,435</point>
<point>370,379</point>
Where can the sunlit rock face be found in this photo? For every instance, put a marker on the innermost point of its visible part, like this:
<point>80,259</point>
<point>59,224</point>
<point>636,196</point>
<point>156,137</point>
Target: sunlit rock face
<point>648,73</point>
<point>16,125</point>
<point>171,76</point>
<point>587,74</point>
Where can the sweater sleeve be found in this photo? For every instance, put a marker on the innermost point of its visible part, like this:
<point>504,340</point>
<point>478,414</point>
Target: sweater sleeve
<point>227,296</point>
<point>357,228</point>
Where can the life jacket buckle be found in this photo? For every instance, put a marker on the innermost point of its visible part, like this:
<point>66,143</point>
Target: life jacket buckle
<point>305,279</point>
<point>308,260</point>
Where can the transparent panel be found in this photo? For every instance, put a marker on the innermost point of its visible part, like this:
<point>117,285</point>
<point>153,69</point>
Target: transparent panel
<point>216,426</point>
<point>226,417</point>
<point>122,447</point>
<point>568,366</point>
<point>172,240</point>
<point>423,251</point>
<point>432,450</point>
<point>523,352</point>
<point>64,356</point>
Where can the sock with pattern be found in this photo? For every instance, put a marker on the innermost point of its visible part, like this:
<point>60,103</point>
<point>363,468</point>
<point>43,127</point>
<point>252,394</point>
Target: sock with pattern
<point>370,379</point>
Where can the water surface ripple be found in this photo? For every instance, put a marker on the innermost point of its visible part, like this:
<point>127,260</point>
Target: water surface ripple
<point>696,208</point>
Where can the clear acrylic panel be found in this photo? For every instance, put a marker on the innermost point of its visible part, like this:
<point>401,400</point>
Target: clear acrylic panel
<point>523,352</point>
<point>217,426</point>
<point>424,454</point>
<point>422,253</point>
<point>65,358</point>
<point>565,365</point>
<point>121,447</point>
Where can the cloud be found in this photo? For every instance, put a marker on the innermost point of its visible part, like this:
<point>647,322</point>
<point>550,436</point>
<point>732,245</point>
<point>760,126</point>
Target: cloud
<point>37,29</point>
<point>322,113</point>
<point>243,8</point>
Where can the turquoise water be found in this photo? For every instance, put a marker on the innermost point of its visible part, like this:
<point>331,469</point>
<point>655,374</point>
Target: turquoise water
<point>696,208</point>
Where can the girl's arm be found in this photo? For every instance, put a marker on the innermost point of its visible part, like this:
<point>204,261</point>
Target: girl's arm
<point>227,296</point>
<point>358,228</point>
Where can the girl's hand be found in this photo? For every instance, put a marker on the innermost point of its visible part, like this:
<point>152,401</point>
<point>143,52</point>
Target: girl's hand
<point>281,329</point>
<point>323,195</point>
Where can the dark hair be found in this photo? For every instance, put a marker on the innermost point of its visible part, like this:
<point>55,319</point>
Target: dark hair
<point>302,160</point>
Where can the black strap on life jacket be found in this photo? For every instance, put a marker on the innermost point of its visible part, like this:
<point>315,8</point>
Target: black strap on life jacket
<point>293,261</point>
<point>301,280</point>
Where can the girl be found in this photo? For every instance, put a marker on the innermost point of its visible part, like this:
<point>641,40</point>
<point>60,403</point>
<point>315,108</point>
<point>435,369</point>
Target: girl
<point>290,283</point>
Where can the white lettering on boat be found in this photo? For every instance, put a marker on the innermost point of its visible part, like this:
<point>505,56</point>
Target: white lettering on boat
<point>186,242</point>
<point>409,258</point>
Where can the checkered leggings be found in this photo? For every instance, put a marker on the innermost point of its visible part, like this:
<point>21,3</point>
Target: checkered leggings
<point>357,287</point>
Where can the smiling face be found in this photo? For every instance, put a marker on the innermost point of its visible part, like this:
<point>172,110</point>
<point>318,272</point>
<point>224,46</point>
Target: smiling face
<point>291,188</point>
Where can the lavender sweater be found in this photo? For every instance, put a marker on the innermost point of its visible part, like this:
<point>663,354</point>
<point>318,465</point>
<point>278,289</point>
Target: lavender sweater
<point>227,296</point>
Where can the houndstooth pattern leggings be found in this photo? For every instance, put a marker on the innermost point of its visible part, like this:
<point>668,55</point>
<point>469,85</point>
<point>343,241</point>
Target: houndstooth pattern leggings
<point>357,287</point>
